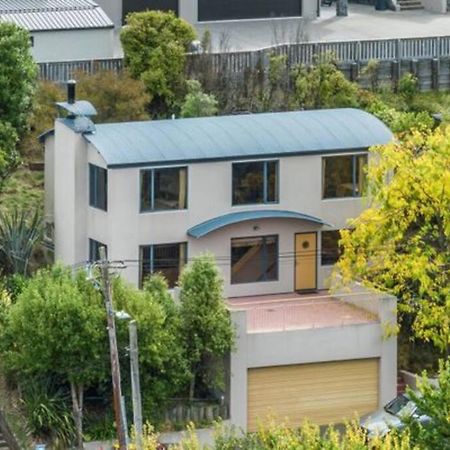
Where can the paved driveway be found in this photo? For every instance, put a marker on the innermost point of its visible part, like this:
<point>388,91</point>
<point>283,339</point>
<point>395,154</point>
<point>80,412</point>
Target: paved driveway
<point>363,22</point>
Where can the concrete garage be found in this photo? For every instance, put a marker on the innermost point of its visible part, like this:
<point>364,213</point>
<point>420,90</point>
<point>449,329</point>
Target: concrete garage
<point>322,392</point>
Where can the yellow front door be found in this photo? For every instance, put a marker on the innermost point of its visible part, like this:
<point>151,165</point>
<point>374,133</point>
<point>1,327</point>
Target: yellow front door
<point>306,261</point>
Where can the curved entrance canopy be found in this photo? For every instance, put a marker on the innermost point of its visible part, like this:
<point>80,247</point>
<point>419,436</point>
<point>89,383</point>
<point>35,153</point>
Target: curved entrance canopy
<point>204,228</point>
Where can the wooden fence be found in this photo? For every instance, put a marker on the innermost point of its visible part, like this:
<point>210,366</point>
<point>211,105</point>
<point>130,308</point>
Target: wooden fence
<point>183,412</point>
<point>427,58</point>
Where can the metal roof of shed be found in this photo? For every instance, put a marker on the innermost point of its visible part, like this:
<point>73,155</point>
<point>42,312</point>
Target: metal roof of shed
<point>52,15</point>
<point>237,137</point>
<point>219,222</point>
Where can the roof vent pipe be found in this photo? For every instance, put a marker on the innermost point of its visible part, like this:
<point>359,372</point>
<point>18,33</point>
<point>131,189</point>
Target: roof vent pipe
<point>71,88</point>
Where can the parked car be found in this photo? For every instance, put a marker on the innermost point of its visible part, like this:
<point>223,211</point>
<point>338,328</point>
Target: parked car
<point>392,416</point>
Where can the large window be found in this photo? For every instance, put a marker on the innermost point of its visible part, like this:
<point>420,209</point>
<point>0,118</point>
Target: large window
<point>98,187</point>
<point>94,250</point>
<point>255,182</point>
<point>330,247</point>
<point>164,189</point>
<point>254,259</point>
<point>343,176</point>
<point>167,259</point>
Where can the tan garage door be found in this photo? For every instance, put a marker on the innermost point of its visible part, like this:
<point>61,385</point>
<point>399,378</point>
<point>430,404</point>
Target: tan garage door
<point>323,393</point>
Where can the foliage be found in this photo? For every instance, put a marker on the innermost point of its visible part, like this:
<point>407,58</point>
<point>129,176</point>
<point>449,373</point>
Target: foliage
<point>17,83</point>
<point>433,402</point>
<point>163,368</point>
<point>323,85</point>
<point>155,45</point>
<point>116,97</point>
<point>45,407</point>
<point>17,76</point>
<point>57,327</point>
<point>400,244</point>
<point>408,86</point>
<point>206,326</point>
<point>197,103</point>
<point>19,233</point>
<point>371,73</point>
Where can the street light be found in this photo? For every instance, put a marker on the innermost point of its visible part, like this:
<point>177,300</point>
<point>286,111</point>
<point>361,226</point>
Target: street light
<point>135,382</point>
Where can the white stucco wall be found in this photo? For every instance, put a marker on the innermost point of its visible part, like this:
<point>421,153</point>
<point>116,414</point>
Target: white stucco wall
<point>72,45</point>
<point>124,229</point>
<point>435,6</point>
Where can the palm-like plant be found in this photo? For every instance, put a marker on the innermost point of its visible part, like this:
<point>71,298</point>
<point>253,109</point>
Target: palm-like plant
<point>19,233</point>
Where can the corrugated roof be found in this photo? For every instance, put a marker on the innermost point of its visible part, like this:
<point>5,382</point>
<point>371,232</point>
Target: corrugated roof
<point>217,223</point>
<point>237,137</point>
<point>48,15</point>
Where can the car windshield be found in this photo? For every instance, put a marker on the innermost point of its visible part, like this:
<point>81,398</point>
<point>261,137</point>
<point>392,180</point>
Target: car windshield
<point>396,405</point>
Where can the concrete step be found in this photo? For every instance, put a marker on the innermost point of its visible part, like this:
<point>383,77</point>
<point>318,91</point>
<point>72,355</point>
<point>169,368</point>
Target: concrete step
<point>408,5</point>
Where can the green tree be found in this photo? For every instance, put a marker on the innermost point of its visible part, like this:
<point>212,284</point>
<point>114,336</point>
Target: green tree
<point>206,326</point>
<point>197,103</point>
<point>434,402</point>
<point>17,84</point>
<point>57,326</point>
<point>117,97</point>
<point>155,45</point>
<point>401,242</point>
<point>163,367</point>
<point>323,85</point>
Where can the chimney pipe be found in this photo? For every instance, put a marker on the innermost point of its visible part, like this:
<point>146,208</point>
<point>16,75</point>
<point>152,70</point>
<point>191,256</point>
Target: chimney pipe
<point>71,88</point>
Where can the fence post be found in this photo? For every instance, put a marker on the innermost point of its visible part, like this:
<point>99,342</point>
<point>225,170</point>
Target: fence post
<point>395,73</point>
<point>354,71</point>
<point>398,49</point>
<point>435,69</point>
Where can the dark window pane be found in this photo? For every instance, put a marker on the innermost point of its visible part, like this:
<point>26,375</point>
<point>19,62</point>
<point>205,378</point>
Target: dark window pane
<point>248,183</point>
<point>170,189</point>
<point>338,176</point>
<point>330,247</point>
<point>254,259</point>
<point>146,189</point>
<point>167,259</point>
<point>272,182</point>
<point>98,187</point>
<point>94,250</point>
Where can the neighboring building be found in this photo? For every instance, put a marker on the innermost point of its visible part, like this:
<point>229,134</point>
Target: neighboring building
<point>266,194</point>
<point>199,12</point>
<point>62,30</point>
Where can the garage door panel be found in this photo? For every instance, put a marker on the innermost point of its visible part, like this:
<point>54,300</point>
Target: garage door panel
<point>323,393</point>
<point>209,10</point>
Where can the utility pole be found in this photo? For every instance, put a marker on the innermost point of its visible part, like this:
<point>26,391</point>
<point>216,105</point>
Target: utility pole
<point>135,384</point>
<point>115,367</point>
<point>341,8</point>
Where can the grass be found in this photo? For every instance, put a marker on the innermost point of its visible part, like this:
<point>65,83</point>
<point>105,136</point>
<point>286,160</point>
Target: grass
<point>23,190</point>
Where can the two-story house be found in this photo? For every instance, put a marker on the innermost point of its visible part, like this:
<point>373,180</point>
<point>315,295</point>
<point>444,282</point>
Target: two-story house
<point>266,194</point>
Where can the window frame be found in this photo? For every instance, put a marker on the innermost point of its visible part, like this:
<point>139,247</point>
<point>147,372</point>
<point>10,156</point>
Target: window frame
<point>152,258</point>
<point>277,249</point>
<point>152,171</point>
<point>93,187</point>
<point>92,243</point>
<point>265,163</point>
<point>354,157</point>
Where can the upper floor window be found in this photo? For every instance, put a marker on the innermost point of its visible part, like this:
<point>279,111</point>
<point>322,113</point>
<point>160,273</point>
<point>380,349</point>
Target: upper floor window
<point>255,182</point>
<point>254,259</point>
<point>164,189</point>
<point>98,187</point>
<point>343,176</point>
<point>167,259</point>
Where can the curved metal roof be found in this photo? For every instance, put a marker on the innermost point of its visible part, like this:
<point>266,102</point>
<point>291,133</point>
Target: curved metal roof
<point>202,229</point>
<point>240,136</point>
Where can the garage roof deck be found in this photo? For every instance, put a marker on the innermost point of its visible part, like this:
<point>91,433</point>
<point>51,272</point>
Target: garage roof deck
<point>292,311</point>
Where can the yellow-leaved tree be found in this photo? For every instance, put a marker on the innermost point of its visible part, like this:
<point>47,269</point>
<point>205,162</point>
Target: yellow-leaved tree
<point>401,243</point>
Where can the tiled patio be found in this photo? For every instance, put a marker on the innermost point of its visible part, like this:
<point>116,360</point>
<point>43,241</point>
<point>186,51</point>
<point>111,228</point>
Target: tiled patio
<point>292,311</point>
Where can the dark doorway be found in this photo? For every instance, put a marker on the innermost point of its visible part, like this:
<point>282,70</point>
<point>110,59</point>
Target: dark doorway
<point>143,5</point>
<point>247,9</point>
